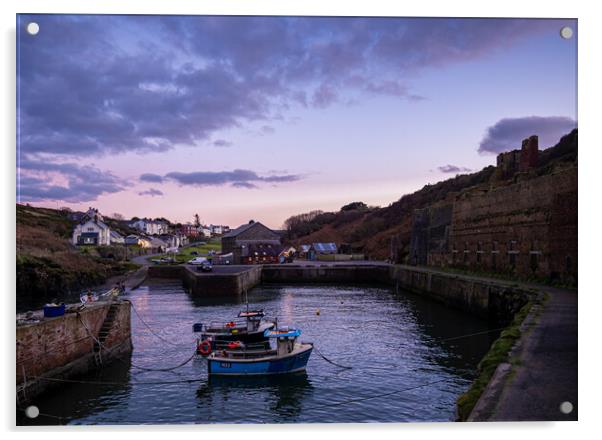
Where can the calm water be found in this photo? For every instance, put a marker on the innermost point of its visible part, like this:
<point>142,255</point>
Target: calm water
<point>394,342</point>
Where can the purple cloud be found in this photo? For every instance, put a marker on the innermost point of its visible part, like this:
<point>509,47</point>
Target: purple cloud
<point>453,169</point>
<point>245,185</point>
<point>222,143</point>
<point>507,134</point>
<point>37,182</point>
<point>86,90</point>
<point>151,192</point>
<point>237,178</point>
<point>150,177</point>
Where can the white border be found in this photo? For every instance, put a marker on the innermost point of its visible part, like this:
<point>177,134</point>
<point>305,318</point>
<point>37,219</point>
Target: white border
<point>589,212</point>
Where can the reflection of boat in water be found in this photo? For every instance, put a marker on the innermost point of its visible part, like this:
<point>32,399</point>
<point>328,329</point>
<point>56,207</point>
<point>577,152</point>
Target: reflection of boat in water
<point>283,396</point>
<point>297,380</point>
<point>289,356</point>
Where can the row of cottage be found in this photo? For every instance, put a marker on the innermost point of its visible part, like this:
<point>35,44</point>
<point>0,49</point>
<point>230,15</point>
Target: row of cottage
<point>92,230</point>
<point>251,243</point>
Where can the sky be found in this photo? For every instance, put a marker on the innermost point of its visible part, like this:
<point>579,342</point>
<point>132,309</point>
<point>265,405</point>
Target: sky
<point>239,118</point>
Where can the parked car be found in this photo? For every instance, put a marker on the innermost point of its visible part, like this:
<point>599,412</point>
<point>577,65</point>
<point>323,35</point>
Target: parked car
<point>198,261</point>
<point>194,253</point>
<point>205,267</point>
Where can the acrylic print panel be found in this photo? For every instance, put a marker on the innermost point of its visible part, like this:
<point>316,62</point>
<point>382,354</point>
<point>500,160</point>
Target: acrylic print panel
<point>295,219</point>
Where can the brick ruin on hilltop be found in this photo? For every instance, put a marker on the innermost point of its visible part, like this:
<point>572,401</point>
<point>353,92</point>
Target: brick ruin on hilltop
<point>523,222</point>
<point>508,164</point>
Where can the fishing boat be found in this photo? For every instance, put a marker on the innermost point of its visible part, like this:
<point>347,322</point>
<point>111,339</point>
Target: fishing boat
<point>249,327</point>
<point>238,359</point>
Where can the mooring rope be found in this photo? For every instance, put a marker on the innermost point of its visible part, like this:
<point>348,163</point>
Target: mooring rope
<point>166,369</point>
<point>101,382</point>
<point>329,361</point>
<point>102,347</point>
<point>151,330</point>
<point>375,396</point>
<point>453,338</point>
<point>325,405</point>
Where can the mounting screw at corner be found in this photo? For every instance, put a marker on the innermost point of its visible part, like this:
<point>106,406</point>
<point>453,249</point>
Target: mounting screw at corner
<point>566,32</point>
<point>566,407</point>
<point>33,28</point>
<point>32,411</point>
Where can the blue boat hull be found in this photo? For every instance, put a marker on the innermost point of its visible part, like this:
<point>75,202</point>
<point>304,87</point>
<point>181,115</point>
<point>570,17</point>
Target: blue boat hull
<point>236,367</point>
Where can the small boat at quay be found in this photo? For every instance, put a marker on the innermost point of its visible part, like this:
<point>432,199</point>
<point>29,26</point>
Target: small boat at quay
<point>249,328</point>
<point>238,359</point>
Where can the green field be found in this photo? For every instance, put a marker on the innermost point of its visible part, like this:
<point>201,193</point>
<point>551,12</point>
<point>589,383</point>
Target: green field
<point>185,253</point>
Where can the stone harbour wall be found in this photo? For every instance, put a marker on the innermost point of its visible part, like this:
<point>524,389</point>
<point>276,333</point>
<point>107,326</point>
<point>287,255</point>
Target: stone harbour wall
<point>62,347</point>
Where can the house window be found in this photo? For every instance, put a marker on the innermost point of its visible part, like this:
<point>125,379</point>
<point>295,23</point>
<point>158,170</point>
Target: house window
<point>90,229</point>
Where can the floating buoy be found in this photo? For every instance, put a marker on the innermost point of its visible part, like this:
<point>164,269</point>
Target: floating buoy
<point>318,312</point>
<point>204,348</point>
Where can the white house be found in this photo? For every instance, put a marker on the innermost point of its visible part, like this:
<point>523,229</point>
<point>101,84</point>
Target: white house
<point>205,231</point>
<point>216,229</point>
<point>93,232</point>
<point>116,237</point>
<point>150,227</point>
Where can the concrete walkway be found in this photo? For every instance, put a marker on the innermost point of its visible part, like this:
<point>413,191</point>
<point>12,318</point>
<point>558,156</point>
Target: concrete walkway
<point>542,373</point>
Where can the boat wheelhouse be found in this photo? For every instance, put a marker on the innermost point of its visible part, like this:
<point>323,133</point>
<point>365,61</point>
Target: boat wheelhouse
<point>248,327</point>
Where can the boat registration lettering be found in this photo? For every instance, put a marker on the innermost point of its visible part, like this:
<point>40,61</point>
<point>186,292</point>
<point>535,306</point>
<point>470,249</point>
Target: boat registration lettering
<point>225,364</point>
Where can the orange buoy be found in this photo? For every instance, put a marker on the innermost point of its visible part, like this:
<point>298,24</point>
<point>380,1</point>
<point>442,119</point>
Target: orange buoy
<point>204,347</point>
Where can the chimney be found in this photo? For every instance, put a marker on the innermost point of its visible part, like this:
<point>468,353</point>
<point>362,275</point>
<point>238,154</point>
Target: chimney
<point>529,153</point>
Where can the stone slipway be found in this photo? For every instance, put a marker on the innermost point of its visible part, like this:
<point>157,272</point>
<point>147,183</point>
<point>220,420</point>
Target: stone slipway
<point>542,372</point>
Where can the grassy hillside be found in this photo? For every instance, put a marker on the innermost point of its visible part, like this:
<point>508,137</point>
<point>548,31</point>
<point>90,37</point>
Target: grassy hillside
<point>369,230</point>
<point>48,266</point>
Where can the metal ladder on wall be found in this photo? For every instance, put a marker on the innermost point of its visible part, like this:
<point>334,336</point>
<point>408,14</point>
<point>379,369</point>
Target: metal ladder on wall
<point>105,329</point>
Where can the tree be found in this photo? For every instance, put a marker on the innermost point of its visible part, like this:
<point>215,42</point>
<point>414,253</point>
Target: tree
<point>354,206</point>
<point>118,216</point>
<point>197,220</point>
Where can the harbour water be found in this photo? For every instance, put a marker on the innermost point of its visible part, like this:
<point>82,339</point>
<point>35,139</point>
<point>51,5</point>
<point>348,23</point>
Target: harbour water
<point>410,360</point>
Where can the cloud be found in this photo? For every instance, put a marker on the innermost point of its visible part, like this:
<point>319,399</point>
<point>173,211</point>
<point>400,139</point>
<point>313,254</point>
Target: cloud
<point>453,169</point>
<point>236,178</point>
<point>43,181</point>
<point>150,177</point>
<point>266,129</point>
<point>151,192</point>
<point>507,134</point>
<point>246,185</point>
<point>222,143</point>
<point>87,88</point>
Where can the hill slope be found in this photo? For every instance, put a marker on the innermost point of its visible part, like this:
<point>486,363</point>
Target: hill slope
<point>48,266</point>
<point>370,230</point>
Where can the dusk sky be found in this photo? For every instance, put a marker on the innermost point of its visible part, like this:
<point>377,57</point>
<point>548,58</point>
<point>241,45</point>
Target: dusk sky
<point>239,118</point>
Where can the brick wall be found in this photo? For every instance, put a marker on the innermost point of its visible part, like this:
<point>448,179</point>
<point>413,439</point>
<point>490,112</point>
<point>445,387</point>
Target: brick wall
<point>56,342</point>
<point>528,228</point>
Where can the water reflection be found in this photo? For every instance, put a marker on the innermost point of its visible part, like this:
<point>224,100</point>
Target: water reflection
<point>282,395</point>
<point>392,341</point>
<point>87,395</point>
